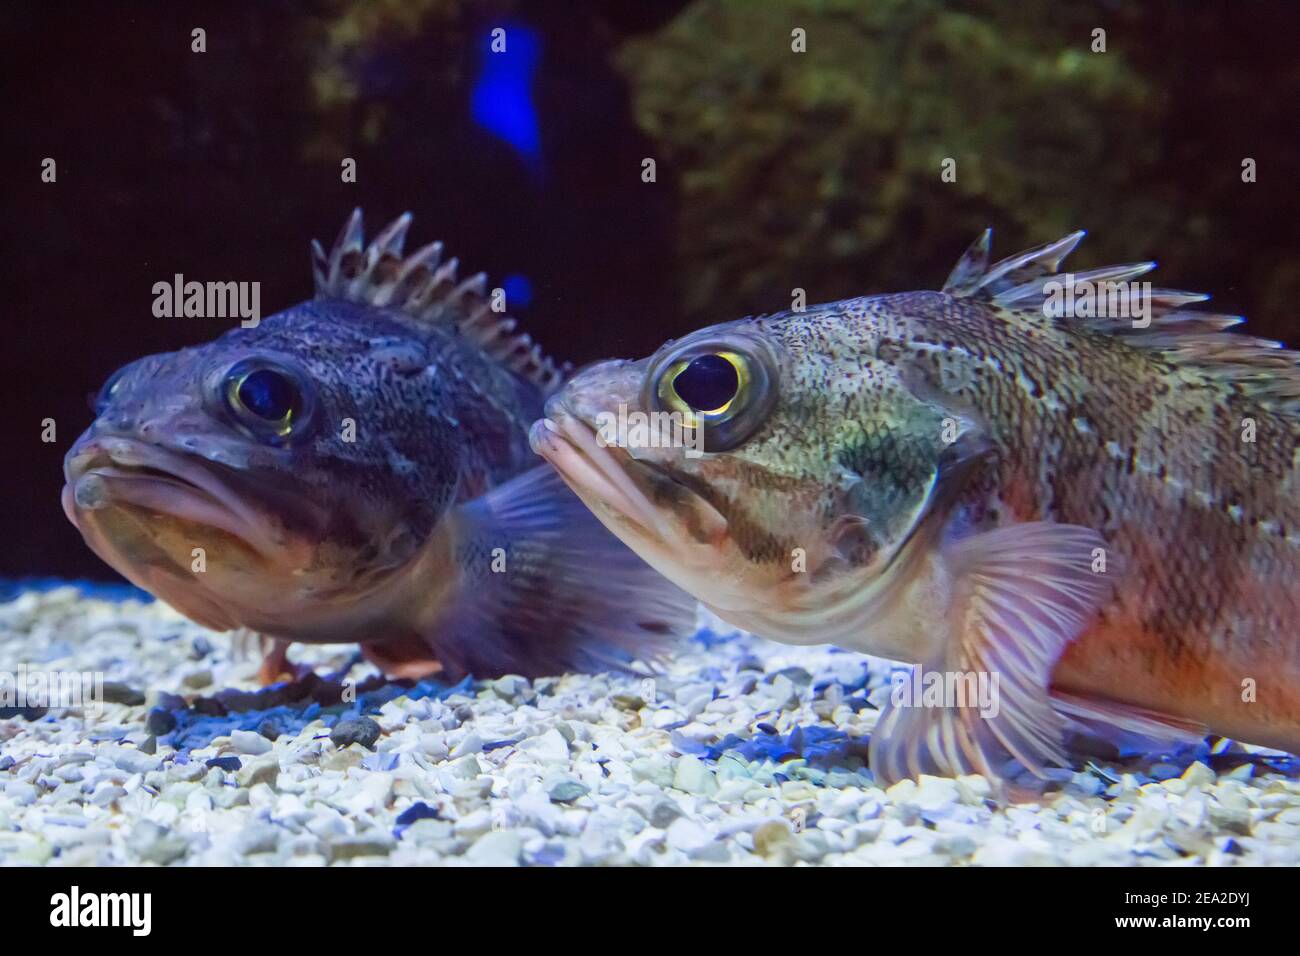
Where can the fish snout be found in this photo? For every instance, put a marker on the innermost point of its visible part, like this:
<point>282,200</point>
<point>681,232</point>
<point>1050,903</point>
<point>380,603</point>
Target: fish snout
<point>613,386</point>
<point>90,451</point>
<point>95,449</point>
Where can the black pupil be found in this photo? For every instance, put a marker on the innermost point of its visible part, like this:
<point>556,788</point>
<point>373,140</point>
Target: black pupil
<point>709,382</point>
<point>267,394</point>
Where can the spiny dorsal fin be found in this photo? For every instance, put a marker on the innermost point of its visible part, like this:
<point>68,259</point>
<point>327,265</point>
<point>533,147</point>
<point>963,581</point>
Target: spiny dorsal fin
<point>426,288</point>
<point>1262,368</point>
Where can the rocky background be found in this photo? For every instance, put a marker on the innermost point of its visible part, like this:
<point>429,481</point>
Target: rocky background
<point>775,169</point>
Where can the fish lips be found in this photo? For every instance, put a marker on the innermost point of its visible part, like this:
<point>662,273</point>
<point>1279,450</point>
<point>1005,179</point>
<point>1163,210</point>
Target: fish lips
<point>613,482</point>
<point>111,471</point>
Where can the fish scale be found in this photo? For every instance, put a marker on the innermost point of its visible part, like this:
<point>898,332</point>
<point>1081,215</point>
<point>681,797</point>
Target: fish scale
<point>1095,530</point>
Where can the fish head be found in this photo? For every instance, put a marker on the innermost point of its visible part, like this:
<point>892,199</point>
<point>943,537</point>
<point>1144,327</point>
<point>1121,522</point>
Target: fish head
<point>273,478</point>
<point>790,458</point>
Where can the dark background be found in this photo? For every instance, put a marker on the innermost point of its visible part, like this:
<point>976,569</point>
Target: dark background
<point>775,170</point>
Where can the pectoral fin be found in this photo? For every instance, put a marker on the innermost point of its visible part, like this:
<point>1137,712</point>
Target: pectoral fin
<point>546,589</point>
<point>1020,595</point>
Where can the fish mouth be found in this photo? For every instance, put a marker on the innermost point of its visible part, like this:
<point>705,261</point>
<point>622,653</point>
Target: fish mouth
<point>598,474</point>
<point>688,540</point>
<point>612,483</point>
<point>114,472</point>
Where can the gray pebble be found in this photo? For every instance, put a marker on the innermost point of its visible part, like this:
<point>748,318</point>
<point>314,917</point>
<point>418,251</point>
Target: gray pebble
<point>688,836</point>
<point>155,844</point>
<point>356,730</point>
<point>349,848</point>
<point>512,687</point>
<point>568,791</point>
<point>664,813</point>
<point>116,692</point>
<point>133,760</point>
<point>258,771</point>
<point>796,675</point>
<point>160,722</point>
<point>249,742</point>
<point>106,794</point>
<point>496,848</point>
<point>257,838</point>
<point>21,792</point>
<point>197,680</point>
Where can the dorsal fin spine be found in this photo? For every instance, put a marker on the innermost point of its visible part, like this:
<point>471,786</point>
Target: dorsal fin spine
<point>425,289</point>
<point>1263,369</point>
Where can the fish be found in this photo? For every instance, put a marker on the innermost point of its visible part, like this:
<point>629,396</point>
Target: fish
<point>356,468</point>
<point>1072,487</point>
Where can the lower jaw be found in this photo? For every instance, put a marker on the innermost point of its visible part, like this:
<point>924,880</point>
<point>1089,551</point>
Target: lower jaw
<point>605,488</point>
<point>126,539</point>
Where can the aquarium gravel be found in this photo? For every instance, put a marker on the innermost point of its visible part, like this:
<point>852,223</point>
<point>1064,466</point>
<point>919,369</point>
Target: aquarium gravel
<point>739,752</point>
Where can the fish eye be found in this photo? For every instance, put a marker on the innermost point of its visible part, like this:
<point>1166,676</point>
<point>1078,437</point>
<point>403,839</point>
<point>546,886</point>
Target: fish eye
<point>100,401</point>
<point>709,382</point>
<point>724,388</point>
<point>266,399</point>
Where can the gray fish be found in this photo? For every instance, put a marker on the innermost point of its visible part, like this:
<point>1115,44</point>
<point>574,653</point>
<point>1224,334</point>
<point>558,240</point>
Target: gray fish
<point>356,468</point>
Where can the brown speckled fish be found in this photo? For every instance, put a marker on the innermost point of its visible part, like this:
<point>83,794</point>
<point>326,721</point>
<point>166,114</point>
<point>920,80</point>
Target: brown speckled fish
<point>356,468</point>
<point>1099,512</point>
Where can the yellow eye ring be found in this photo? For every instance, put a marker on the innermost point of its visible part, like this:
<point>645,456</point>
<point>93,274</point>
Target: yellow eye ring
<point>266,400</point>
<point>715,386</point>
<point>723,384</point>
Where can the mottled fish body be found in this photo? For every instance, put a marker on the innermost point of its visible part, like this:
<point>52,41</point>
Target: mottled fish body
<point>356,468</point>
<point>1100,510</point>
